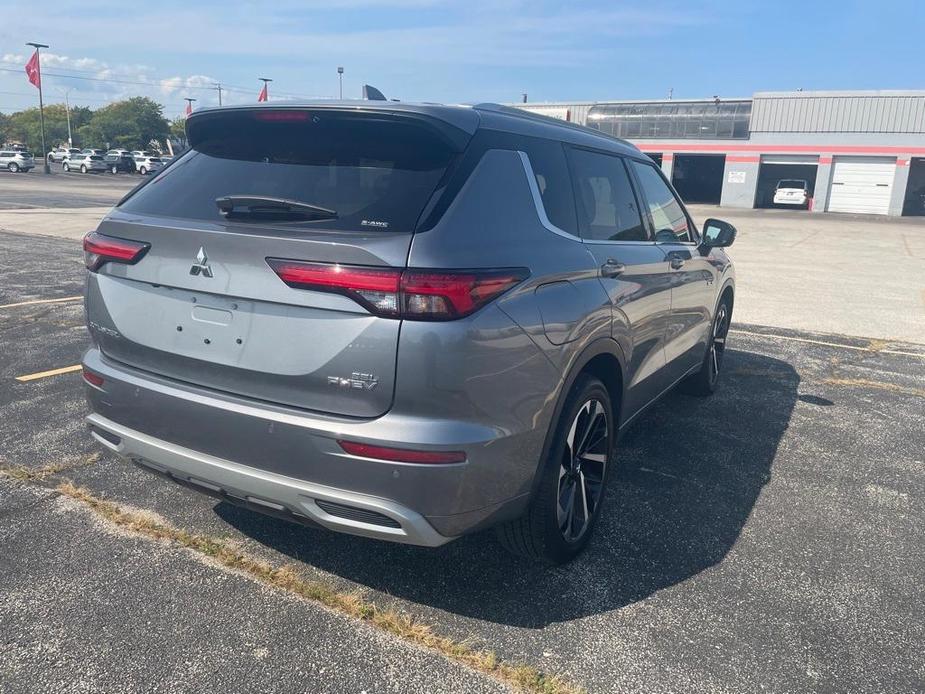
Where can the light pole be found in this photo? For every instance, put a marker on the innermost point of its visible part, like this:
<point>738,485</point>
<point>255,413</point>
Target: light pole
<point>37,46</point>
<point>67,111</point>
<point>340,79</point>
<point>218,87</point>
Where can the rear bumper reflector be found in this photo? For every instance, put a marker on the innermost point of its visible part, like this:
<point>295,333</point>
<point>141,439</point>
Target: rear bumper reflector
<point>402,455</point>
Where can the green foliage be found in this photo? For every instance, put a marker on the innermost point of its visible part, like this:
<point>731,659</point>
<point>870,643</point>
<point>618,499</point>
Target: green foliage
<point>178,128</point>
<point>24,126</point>
<point>129,124</point>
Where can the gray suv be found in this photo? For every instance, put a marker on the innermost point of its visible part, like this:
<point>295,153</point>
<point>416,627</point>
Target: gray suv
<point>408,322</point>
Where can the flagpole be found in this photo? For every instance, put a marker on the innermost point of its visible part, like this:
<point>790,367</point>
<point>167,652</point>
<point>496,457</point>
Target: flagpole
<point>37,46</point>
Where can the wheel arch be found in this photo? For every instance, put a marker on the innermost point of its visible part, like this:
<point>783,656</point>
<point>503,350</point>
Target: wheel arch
<point>603,359</point>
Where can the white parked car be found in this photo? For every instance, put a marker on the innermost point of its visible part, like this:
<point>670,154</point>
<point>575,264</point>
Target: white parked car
<point>61,154</point>
<point>145,164</point>
<point>791,191</point>
<point>15,161</point>
<point>85,163</point>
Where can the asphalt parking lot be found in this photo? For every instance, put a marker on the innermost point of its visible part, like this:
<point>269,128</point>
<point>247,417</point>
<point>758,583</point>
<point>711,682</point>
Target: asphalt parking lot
<point>769,538</point>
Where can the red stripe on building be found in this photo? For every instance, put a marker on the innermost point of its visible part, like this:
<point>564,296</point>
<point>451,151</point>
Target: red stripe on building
<point>796,149</point>
<point>743,160</point>
<point>825,160</point>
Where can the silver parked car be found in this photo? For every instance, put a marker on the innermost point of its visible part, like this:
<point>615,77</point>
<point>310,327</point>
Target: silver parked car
<point>15,161</point>
<point>85,163</point>
<point>408,322</point>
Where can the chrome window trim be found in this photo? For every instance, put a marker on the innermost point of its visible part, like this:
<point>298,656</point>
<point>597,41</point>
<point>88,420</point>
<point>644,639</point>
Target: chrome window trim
<point>538,200</point>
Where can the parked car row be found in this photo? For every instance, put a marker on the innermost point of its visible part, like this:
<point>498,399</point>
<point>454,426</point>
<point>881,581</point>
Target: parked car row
<point>96,160</point>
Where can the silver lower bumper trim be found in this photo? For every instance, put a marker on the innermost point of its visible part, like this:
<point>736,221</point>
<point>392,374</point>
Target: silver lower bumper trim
<point>263,488</point>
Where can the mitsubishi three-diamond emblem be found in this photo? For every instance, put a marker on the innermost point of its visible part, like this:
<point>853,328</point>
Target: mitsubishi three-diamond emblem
<point>201,266</point>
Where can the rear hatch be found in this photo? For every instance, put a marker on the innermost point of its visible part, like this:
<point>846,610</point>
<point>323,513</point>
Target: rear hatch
<point>203,305</point>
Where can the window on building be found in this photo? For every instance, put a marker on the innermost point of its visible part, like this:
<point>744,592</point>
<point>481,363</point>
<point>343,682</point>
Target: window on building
<point>689,120</point>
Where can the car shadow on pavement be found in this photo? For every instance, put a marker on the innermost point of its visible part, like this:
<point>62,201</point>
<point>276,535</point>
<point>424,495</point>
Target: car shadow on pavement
<point>690,471</point>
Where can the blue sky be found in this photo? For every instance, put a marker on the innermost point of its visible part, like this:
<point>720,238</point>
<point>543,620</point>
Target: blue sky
<point>436,50</point>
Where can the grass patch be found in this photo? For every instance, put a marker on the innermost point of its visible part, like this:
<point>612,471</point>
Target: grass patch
<point>352,604</point>
<point>39,474</point>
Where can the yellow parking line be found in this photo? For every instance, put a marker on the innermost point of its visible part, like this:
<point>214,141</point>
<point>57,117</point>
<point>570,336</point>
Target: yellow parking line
<point>46,374</point>
<point>43,301</point>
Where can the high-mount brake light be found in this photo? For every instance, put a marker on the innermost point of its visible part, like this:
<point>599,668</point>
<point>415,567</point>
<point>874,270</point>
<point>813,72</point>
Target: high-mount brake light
<point>429,295</point>
<point>282,116</point>
<point>402,455</point>
<point>99,250</point>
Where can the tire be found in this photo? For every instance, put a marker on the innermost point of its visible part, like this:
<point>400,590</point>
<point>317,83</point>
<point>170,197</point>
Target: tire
<point>143,171</point>
<point>13,167</point>
<point>706,380</point>
<point>547,532</point>
<point>66,167</point>
<point>83,168</point>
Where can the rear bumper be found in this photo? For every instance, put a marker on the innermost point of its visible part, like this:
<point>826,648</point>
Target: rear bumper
<point>285,461</point>
<point>270,492</point>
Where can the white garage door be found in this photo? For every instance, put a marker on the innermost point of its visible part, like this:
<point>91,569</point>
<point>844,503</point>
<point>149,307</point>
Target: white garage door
<point>862,185</point>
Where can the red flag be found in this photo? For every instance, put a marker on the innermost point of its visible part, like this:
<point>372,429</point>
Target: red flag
<point>189,107</point>
<point>263,93</point>
<point>33,70</point>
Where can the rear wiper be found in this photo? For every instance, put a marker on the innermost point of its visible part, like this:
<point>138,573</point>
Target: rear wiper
<point>258,206</point>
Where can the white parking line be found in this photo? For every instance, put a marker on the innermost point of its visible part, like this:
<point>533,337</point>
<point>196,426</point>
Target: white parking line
<point>828,344</point>
<point>42,301</point>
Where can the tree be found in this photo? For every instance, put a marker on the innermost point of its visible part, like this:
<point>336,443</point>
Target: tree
<point>129,124</point>
<point>178,128</point>
<point>25,126</point>
<point>4,128</point>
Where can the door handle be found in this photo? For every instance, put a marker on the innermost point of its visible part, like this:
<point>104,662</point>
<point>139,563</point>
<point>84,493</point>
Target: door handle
<point>612,268</point>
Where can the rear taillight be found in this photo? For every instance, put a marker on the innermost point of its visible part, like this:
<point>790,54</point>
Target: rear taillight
<point>409,294</point>
<point>99,249</point>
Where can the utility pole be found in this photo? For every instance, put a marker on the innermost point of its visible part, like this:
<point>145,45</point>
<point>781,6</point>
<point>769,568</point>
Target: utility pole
<point>37,46</point>
<point>218,87</point>
<point>524,95</point>
<point>189,104</point>
<point>340,77</point>
<point>670,93</point>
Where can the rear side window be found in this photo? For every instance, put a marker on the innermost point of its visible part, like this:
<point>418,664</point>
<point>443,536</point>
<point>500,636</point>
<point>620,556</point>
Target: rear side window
<point>547,159</point>
<point>670,221</point>
<point>607,208</point>
<point>376,172</point>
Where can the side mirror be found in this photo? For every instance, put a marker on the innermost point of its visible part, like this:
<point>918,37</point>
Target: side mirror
<point>718,234</point>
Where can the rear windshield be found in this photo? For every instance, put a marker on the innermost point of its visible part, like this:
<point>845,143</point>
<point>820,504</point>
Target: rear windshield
<point>376,172</point>
<point>95,157</point>
<point>792,184</point>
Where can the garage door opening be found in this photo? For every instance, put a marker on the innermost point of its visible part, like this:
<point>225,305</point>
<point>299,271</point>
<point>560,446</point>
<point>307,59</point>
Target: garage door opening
<point>699,177</point>
<point>787,174</point>
<point>914,203</point>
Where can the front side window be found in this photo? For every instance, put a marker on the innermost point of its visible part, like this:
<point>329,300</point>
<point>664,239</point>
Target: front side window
<point>670,221</point>
<point>607,208</point>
